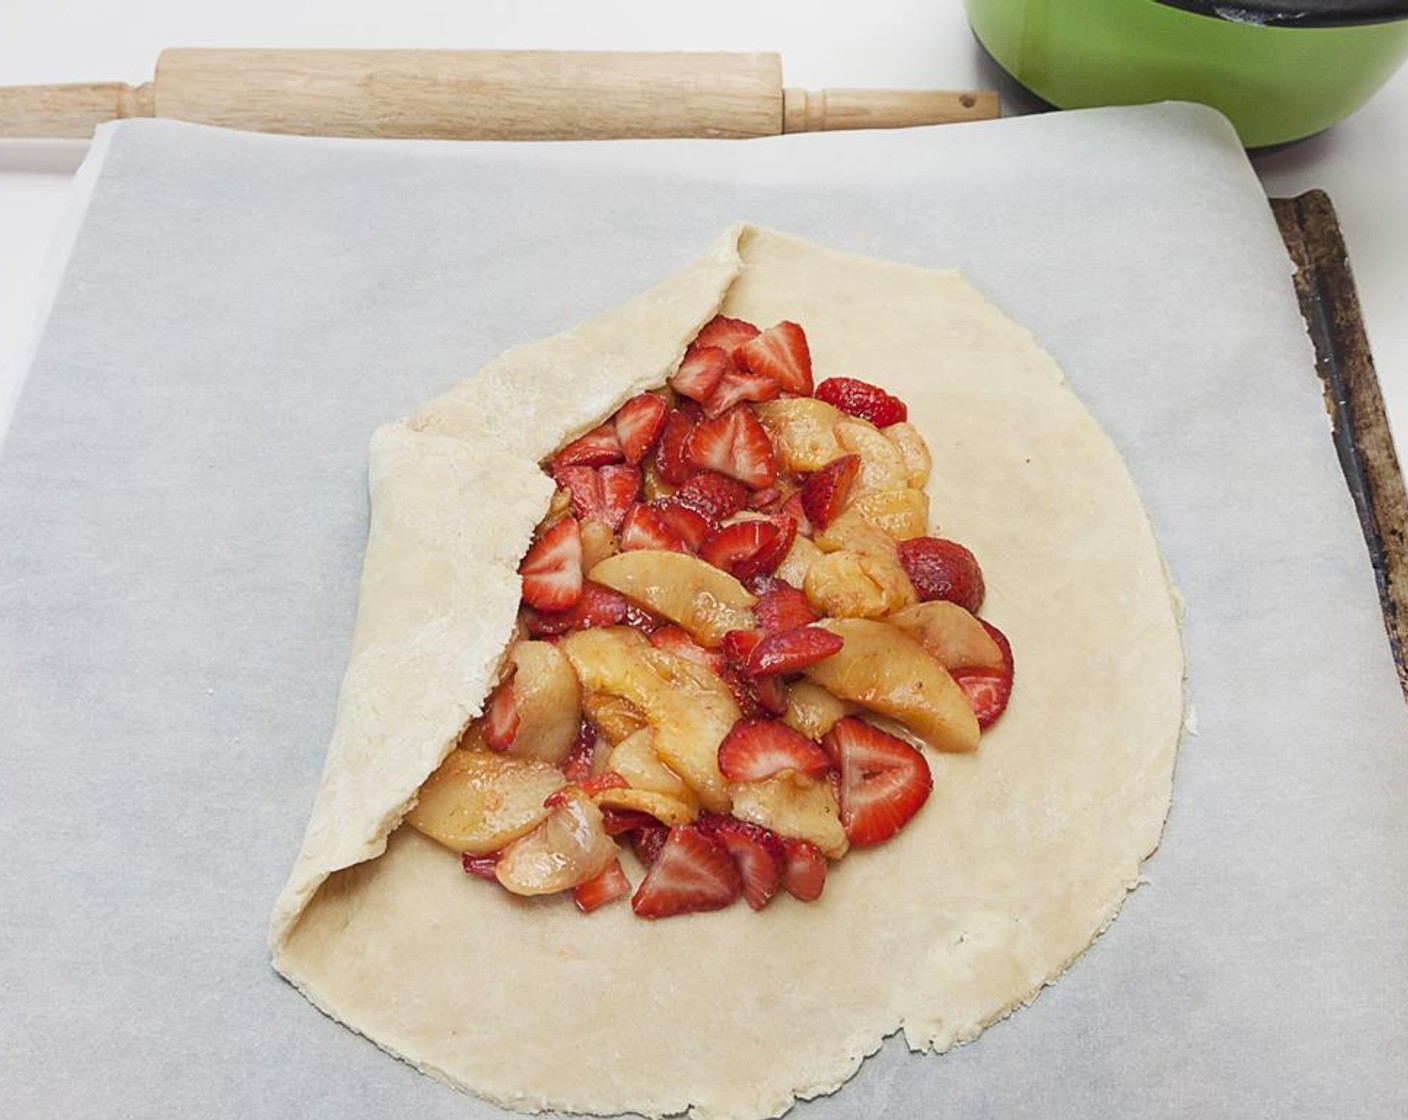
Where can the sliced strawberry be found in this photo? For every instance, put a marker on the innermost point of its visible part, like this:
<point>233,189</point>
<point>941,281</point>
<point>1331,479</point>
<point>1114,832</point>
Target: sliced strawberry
<point>767,500</point>
<point>794,509</point>
<point>552,569</point>
<point>692,527</point>
<point>725,333</point>
<point>780,354</point>
<point>581,759</point>
<point>609,885</point>
<point>647,841</point>
<point>595,449</point>
<point>711,495</point>
<point>780,606</point>
<point>643,527</point>
<point>755,749</point>
<point>825,493</point>
<point>989,689</point>
<point>669,456</point>
<point>691,873</point>
<point>735,445</point>
<point>943,569</point>
<point>803,869</point>
<point>771,555</point>
<point>598,606</point>
<point>500,718</point>
<point>734,388</point>
<point>884,781</point>
<point>620,486</point>
<point>789,651</point>
<point>757,853</point>
<point>735,548</point>
<point>860,398</point>
<point>738,646</point>
<point>700,371</point>
<point>481,867</point>
<point>638,422</point>
<point>619,821</point>
<point>673,639</point>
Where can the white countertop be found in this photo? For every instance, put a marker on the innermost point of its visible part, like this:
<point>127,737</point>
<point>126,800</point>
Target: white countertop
<point>1362,162</point>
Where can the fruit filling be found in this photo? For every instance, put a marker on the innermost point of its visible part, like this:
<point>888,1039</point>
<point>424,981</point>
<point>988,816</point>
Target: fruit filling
<point>736,641</point>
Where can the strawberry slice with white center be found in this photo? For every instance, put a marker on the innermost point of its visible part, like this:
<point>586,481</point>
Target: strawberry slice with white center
<point>737,548</point>
<point>734,445</point>
<point>757,852</point>
<point>825,493</point>
<point>501,718</point>
<point>676,640</point>
<point>552,569</point>
<point>754,695</point>
<point>595,449</point>
<point>780,354</point>
<point>726,333</point>
<point>780,606</point>
<point>601,494</point>
<point>638,422</point>
<point>692,527</point>
<point>803,869</point>
<point>598,606</point>
<point>700,371</point>
<point>669,456</point>
<point>756,749</point>
<point>607,886</point>
<point>790,651</point>
<point>711,495</point>
<point>691,872</point>
<point>733,388</point>
<point>884,781</point>
<point>988,690</point>
<point>643,527</point>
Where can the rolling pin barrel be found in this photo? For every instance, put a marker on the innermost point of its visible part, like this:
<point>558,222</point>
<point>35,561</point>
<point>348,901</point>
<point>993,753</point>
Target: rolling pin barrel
<point>478,95</point>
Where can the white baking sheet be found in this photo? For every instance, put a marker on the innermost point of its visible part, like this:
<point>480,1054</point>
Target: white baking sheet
<point>182,510</point>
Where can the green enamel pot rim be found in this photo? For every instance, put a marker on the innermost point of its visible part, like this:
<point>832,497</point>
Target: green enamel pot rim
<point>1289,75</point>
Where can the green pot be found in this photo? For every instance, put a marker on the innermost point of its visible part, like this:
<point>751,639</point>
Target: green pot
<point>1302,66</point>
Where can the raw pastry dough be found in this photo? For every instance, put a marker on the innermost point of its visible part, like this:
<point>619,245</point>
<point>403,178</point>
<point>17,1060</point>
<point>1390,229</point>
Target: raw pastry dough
<point>1022,856</point>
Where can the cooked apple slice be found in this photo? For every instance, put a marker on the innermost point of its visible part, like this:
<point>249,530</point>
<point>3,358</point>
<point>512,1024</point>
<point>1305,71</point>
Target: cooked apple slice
<point>950,634</point>
<point>881,464</point>
<point>884,669</point>
<point>812,710</point>
<point>794,805</point>
<point>689,708</point>
<point>634,758</point>
<point>914,452</point>
<point>697,596</point>
<point>478,801</point>
<point>803,432</point>
<point>568,848</point>
<point>614,716</point>
<point>599,541</point>
<point>666,810</point>
<point>902,514</point>
<point>850,585</point>
<point>548,701</point>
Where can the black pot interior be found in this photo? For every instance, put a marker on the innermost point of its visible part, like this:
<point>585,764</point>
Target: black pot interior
<point>1296,13</point>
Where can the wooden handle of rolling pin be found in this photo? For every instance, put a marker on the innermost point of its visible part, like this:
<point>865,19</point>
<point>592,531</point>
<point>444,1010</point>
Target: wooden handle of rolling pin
<point>478,95</point>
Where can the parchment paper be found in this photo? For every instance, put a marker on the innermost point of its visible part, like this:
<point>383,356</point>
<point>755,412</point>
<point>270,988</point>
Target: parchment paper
<point>182,512</point>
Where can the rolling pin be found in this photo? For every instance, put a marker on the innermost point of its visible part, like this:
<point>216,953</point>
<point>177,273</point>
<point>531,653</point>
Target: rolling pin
<point>478,95</point>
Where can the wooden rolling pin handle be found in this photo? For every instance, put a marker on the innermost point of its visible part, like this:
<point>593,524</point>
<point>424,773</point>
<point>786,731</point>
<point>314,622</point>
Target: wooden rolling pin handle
<point>828,110</point>
<point>69,112</point>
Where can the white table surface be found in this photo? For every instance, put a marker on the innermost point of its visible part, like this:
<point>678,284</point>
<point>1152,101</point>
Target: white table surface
<point>1362,162</point>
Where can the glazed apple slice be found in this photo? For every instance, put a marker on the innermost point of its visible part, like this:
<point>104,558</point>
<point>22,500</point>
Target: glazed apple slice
<point>953,636</point>
<point>884,669</point>
<point>689,708</point>
<point>689,592</point>
<point>793,805</point>
<point>803,432</point>
<point>634,758</point>
<point>568,848</point>
<point>547,700</point>
<point>478,801</point>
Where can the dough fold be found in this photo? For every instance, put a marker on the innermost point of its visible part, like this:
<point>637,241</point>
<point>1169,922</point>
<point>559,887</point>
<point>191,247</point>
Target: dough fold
<point>1022,856</point>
